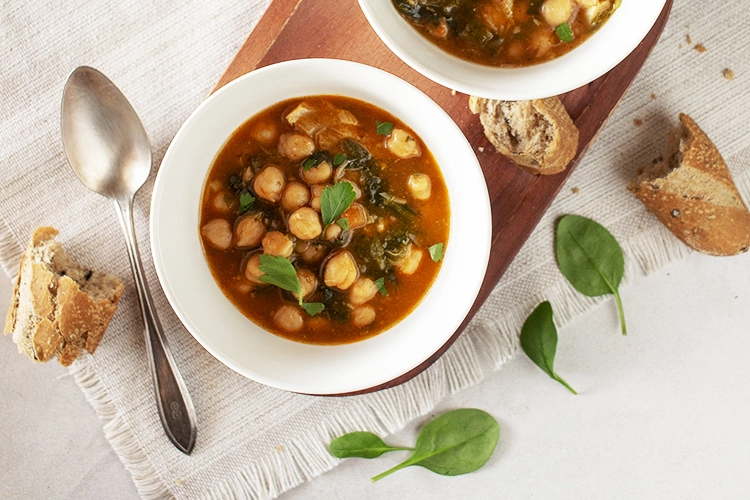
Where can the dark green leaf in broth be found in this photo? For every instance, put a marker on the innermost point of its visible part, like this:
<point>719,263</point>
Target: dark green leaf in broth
<point>564,33</point>
<point>279,272</point>
<point>343,223</point>
<point>360,444</point>
<point>313,308</point>
<point>457,442</point>
<point>436,252</point>
<point>339,159</point>
<point>384,128</point>
<point>380,284</point>
<point>590,258</point>
<point>539,340</point>
<point>335,200</point>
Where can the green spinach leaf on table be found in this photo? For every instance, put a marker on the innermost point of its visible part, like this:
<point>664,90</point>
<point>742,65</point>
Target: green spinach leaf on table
<point>590,258</point>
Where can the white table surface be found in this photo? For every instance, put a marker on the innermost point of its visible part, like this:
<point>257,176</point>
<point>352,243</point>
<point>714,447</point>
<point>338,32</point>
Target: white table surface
<point>662,413</point>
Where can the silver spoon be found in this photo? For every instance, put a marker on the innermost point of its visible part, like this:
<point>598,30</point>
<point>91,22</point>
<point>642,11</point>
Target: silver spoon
<point>109,151</point>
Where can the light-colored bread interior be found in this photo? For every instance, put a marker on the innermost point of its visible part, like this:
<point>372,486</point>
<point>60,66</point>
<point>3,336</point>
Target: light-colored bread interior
<point>59,307</point>
<point>538,135</point>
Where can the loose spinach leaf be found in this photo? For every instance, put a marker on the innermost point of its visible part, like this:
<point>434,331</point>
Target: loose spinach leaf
<point>246,201</point>
<point>360,444</point>
<point>380,283</point>
<point>590,257</point>
<point>539,341</point>
<point>313,308</point>
<point>436,252</point>
<point>280,272</point>
<point>335,200</point>
<point>564,33</point>
<point>456,442</point>
<point>383,128</point>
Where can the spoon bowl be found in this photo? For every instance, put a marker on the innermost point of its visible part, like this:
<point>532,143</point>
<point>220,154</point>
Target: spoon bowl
<point>109,151</point>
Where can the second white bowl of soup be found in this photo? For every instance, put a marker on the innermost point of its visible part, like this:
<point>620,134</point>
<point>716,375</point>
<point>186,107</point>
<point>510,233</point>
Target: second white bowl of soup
<point>512,50</point>
<point>261,153</point>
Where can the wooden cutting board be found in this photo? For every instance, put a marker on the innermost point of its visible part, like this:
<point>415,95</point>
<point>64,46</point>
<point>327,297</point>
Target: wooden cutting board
<point>298,29</point>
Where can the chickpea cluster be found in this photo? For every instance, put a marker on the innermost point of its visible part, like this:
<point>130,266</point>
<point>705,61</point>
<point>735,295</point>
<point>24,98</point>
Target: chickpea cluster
<point>302,236</point>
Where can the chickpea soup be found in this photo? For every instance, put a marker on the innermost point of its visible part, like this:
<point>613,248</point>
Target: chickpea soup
<point>506,33</point>
<point>324,219</point>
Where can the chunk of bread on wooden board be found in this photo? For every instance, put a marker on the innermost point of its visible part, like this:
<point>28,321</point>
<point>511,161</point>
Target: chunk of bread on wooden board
<point>691,191</point>
<point>58,306</point>
<point>537,135</point>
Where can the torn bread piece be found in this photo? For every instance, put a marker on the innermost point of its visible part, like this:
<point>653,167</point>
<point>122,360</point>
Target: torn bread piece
<point>58,306</point>
<point>538,135</point>
<point>691,191</point>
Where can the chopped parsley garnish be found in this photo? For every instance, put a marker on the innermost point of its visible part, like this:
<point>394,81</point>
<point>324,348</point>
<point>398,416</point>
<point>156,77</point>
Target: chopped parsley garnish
<point>384,128</point>
<point>564,33</point>
<point>436,252</point>
<point>246,201</point>
<point>339,159</point>
<point>380,283</point>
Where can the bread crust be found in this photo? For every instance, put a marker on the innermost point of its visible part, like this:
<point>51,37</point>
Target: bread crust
<point>692,193</point>
<point>562,138</point>
<point>58,307</point>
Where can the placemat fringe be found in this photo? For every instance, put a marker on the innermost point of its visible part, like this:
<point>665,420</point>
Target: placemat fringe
<point>383,412</point>
<point>118,432</point>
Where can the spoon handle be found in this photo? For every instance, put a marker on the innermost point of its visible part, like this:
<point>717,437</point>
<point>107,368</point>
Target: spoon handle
<point>175,406</point>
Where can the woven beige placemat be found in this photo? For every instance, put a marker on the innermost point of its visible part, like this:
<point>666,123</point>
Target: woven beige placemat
<point>253,441</point>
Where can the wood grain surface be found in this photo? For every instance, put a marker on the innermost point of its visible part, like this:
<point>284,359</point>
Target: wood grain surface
<point>299,29</point>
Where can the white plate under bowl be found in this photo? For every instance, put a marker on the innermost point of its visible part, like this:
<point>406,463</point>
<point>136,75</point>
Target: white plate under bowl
<point>234,339</point>
<point>612,43</point>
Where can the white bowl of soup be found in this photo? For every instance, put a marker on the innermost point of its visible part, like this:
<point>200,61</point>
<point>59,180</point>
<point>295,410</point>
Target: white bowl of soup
<point>512,50</point>
<point>320,226</point>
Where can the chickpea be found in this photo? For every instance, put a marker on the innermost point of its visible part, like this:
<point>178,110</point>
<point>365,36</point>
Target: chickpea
<point>340,271</point>
<point>266,133</point>
<point>332,232</point>
<point>222,201</point>
<point>277,244</point>
<point>315,193</point>
<point>304,223</point>
<point>296,146</point>
<point>309,283</point>
<point>318,174</point>
<point>249,231</point>
<point>363,316</point>
<point>410,262</point>
<point>218,232</point>
<point>269,183</point>
<point>295,195</point>
<point>420,186</point>
<point>311,253</point>
<point>288,318</point>
<point>252,269</point>
<point>403,144</point>
<point>556,12</point>
<point>541,41</point>
<point>362,291</point>
<point>357,216</point>
<point>247,175</point>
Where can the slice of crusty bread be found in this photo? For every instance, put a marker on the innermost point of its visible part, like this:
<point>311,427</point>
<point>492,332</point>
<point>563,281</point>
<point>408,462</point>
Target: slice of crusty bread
<point>538,135</point>
<point>691,191</point>
<point>58,306</point>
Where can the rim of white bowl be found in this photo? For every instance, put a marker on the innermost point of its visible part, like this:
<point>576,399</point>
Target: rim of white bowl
<point>267,358</point>
<point>606,48</point>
